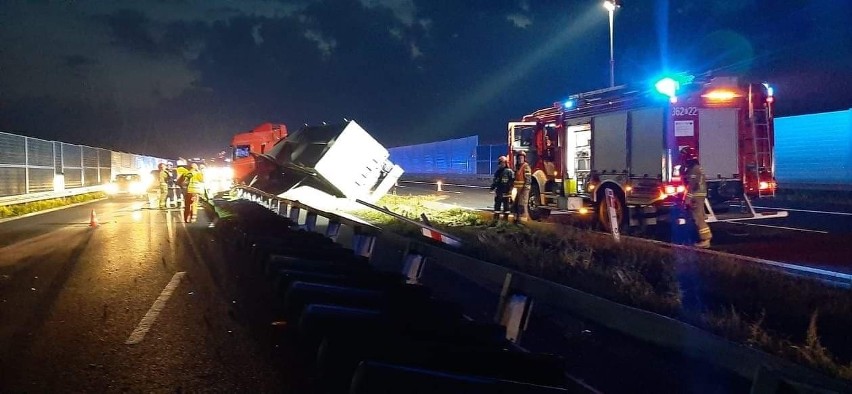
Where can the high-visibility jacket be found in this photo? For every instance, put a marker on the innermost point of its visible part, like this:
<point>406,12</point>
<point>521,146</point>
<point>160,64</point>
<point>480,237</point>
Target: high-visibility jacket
<point>165,176</point>
<point>696,182</point>
<point>523,177</point>
<point>194,181</point>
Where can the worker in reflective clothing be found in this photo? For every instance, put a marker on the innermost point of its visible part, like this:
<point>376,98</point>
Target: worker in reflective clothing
<point>523,181</point>
<point>163,180</point>
<point>193,180</point>
<point>504,179</point>
<point>696,193</point>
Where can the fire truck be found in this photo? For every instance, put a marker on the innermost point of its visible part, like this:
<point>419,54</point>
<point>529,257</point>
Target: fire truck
<point>254,142</point>
<point>624,141</point>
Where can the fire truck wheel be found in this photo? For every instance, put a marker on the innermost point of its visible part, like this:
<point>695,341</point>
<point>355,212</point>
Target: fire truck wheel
<point>533,206</point>
<point>619,205</point>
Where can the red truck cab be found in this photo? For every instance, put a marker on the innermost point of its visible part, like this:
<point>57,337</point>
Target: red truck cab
<point>246,145</point>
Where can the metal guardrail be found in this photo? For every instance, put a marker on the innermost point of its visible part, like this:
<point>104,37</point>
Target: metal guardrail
<point>293,208</point>
<point>364,237</point>
<point>649,327</point>
<point>25,198</point>
<point>752,364</point>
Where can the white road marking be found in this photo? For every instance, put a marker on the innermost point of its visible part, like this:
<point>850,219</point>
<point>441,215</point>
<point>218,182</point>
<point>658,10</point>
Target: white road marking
<point>834,277</point>
<point>446,184</point>
<point>808,211</point>
<point>782,227</point>
<point>145,324</point>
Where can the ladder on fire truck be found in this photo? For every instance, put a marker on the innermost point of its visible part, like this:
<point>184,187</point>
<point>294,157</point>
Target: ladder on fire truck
<point>759,116</point>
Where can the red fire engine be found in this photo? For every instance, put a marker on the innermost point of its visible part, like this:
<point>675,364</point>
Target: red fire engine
<point>626,139</point>
<point>253,142</point>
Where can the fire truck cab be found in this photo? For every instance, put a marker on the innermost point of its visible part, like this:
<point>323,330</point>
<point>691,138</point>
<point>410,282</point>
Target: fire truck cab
<point>627,139</point>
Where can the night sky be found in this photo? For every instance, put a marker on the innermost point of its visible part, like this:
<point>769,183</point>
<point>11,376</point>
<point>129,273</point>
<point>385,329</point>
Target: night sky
<point>178,78</point>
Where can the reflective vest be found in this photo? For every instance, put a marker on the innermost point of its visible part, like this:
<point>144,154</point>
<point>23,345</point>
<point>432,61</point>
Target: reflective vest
<point>164,177</point>
<point>523,178</point>
<point>194,182</point>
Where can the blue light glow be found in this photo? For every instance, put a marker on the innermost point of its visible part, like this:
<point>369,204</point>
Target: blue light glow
<point>667,86</point>
<point>568,104</point>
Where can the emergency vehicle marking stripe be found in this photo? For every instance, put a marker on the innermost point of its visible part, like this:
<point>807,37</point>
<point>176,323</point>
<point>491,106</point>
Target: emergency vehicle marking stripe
<point>437,236</point>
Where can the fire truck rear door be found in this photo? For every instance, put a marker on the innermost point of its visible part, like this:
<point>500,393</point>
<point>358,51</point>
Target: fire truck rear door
<point>717,142</point>
<point>647,140</point>
<point>609,142</point>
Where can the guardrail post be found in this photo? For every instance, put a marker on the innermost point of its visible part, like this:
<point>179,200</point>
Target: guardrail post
<point>333,229</point>
<point>517,316</point>
<point>311,221</point>
<point>294,214</point>
<point>504,295</point>
<point>362,243</point>
<point>413,265</point>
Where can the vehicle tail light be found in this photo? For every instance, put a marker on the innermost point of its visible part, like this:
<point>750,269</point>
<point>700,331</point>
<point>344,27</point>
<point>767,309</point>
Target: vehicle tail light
<point>720,95</point>
<point>671,190</point>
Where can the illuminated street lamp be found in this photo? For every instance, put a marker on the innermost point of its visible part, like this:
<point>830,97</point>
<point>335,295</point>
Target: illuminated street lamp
<point>611,5</point>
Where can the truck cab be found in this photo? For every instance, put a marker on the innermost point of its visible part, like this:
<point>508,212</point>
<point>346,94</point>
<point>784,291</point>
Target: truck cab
<point>257,141</point>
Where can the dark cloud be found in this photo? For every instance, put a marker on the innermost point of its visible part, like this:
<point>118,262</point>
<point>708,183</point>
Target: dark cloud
<point>130,30</point>
<point>179,78</point>
<point>75,61</point>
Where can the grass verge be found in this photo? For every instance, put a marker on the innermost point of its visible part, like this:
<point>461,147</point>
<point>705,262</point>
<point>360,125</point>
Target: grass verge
<point>13,210</point>
<point>799,319</point>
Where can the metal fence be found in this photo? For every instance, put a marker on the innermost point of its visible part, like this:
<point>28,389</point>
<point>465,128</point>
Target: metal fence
<point>456,156</point>
<point>31,165</point>
<point>814,150</point>
<point>486,157</point>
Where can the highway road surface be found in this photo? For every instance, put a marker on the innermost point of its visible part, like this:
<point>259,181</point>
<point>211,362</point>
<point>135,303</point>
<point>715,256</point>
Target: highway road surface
<point>141,303</point>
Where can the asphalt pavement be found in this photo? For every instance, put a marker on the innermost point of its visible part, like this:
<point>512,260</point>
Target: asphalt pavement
<point>143,302</point>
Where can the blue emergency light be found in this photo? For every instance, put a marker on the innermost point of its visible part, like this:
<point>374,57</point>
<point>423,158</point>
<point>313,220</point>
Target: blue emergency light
<point>667,86</point>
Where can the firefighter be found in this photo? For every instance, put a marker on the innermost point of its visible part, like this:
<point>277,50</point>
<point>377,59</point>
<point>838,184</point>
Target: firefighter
<point>163,178</point>
<point>172,182</point>
<point>502,187</point>
<point>193,179</point>
<point>696,193</point>
<point>523,181</point>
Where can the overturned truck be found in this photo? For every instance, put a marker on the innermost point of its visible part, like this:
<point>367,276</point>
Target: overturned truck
<point>318,162</point>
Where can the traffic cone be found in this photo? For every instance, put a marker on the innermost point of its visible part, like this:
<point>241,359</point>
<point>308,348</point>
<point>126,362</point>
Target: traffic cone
<point>93,220</point>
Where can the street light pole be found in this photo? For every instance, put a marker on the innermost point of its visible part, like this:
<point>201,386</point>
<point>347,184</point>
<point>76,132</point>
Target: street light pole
<point>610,6</point>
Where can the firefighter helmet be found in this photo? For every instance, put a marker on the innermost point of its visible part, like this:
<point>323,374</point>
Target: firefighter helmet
<point>688,154</point>
<point>521,153</point>
<point>502,159</point>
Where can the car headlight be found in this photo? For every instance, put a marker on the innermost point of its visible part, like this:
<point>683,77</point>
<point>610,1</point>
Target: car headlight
<point>137,187</point>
